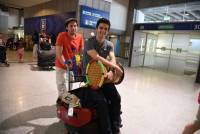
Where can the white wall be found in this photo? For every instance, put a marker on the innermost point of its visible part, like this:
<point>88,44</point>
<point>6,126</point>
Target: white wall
<point>3,22</point>
<point>13,19</point>
<point>8,20</point>
<point>118,14</point>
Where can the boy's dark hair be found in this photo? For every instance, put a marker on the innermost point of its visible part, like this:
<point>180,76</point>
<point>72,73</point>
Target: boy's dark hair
<point>103,20</point>
<point>70,20</point>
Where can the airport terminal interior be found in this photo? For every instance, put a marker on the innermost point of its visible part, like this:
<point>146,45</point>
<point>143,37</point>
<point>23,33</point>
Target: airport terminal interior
<point>153,102</point>
<point>157,43</point>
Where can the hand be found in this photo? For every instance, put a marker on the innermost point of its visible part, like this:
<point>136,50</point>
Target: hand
<point>118,70</point>
<point>109,76</point>
<point>80,64</point>
<point>67,66</point>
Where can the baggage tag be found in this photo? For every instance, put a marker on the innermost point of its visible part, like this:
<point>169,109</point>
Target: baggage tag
<point>70,111</point>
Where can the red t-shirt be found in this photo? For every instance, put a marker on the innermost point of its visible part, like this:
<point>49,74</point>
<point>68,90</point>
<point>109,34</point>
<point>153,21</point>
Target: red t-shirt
<point>71,46</point>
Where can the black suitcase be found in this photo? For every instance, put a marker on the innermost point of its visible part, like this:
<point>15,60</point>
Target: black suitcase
<point>46,56</point>
<point>83,121</point>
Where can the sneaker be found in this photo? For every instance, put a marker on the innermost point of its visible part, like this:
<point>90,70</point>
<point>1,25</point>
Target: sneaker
<point>116,128</point>
<point>116,131</point>
<point>7,65</point>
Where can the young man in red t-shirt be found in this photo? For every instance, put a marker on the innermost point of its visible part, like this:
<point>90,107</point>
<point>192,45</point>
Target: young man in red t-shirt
<point>68,44</point>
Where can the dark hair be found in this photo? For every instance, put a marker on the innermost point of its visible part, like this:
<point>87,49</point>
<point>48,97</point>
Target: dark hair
<point>103,20</point>
<point>70,20</point>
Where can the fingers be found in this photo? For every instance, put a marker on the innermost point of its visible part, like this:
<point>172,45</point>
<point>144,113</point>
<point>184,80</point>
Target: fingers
<point>110,76</point>
<point>119,71</point>
<point>66,66</point>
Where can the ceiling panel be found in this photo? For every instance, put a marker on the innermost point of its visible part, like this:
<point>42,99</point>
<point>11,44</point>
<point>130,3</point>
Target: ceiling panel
<point>173,13</point>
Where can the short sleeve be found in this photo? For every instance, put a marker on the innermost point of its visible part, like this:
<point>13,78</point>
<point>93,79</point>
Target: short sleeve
<point>82,43</point>
<point>59,40</point>
<point>110,46</point>
<point>89,45</point>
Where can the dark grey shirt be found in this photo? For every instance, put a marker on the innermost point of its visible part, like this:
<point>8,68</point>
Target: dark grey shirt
<point>102,49</point>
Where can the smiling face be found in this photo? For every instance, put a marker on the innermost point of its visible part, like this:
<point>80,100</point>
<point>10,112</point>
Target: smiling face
<point>102,31</point>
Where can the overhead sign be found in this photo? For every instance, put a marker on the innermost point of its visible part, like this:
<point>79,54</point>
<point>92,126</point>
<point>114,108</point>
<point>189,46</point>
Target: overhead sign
<point>169,26</point>
<point>197,26</point>
<point>43,24</point>
<point>89,16</point>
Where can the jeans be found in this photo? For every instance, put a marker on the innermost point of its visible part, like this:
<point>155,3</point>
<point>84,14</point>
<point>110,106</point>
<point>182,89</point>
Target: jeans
<point>61,79</point>
<point>113,99</point>
<point>95,99</point>
<point>112,96</point>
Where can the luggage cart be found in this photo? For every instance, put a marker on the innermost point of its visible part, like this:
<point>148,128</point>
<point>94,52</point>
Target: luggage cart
<point>74,74</point>
<point>83,119</point>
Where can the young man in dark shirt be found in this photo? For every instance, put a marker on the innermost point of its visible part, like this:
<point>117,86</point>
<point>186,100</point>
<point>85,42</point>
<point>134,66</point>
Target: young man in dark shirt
<point>99,48</point>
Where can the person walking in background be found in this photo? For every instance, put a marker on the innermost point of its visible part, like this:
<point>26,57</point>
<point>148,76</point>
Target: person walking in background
<point>35,39</point>
<point>45,41</point>
<point>3,48</point>
<point>44,37</point>
<point>20,44</point>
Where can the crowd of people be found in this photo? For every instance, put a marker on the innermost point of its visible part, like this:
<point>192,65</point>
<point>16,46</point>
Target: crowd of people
<point>30,42</point>
<point>18,44</point>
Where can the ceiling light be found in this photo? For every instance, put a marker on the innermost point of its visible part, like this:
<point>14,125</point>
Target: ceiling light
<point>186,13</point>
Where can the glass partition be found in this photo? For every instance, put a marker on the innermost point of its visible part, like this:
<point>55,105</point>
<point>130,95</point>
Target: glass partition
<point>176,52</point>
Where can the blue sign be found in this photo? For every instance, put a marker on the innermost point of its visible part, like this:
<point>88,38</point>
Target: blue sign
<point>89,16</point>
<point>52,24</point>
<point>169,26</point>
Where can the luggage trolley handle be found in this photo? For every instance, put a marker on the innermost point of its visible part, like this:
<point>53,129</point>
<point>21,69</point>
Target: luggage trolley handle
<point>67,62</point>
<point>76,69</point>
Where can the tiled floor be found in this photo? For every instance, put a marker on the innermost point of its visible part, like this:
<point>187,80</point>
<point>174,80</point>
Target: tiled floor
<point>153,102</point>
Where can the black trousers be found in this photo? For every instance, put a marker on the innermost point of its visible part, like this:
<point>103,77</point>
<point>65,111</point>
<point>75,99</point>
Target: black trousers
<point>95,99</point>
<point>114,99</point>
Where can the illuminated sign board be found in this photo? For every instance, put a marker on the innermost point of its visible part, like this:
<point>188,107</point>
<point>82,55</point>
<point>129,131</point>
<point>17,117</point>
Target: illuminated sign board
<point>89,16</point>
<point>43,24</point>
<point>197,27</point>
<point>167,27</point>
